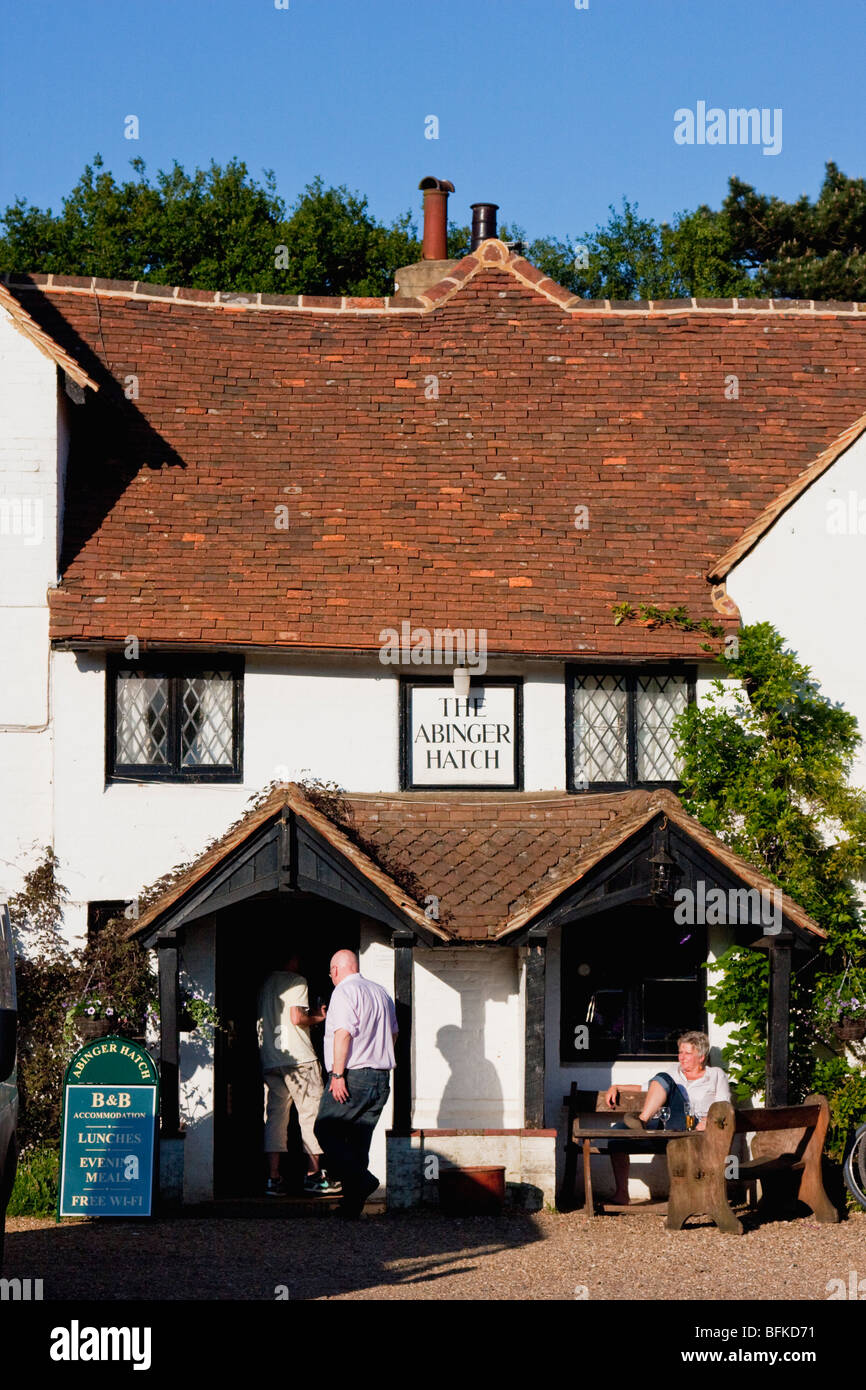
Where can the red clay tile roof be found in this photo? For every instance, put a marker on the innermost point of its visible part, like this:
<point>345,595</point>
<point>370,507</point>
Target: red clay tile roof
<point>448,510</point>
<point>770,515</point>
<point>494,861</point>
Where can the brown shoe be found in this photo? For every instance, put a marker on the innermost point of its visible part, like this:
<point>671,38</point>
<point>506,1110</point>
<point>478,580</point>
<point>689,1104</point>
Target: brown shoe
<point>633,1121</point>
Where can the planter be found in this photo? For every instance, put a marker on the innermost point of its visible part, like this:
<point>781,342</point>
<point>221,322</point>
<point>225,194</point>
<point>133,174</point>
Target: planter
<point>90,1028</point>
<point>185,1022</point>
<point>850,1029</point>
<point>471,1191</point>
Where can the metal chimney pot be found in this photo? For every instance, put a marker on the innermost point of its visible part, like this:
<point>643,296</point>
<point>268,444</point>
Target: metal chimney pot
<point>483,223</point>
<point>435,244</point>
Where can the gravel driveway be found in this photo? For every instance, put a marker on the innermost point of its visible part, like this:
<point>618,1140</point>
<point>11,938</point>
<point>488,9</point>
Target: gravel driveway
<point>426,1256</point>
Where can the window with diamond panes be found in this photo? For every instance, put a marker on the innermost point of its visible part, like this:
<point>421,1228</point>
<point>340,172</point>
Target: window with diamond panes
<point>600,729</point>
<point>659,700</point>
<point>620,727</point>
<point>175,723</point>
<point>142,719</point>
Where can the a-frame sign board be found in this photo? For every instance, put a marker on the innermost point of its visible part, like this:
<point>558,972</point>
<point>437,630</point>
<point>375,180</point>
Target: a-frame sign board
<point>108,1143</point>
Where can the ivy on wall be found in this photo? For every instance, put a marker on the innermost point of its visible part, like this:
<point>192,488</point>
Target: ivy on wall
<point>765,766</point>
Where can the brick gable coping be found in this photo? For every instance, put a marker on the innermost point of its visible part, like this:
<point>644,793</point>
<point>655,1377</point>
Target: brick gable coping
<point>492,254</point>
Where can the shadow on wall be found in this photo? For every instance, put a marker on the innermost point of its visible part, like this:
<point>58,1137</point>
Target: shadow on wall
<point>473,1078</point>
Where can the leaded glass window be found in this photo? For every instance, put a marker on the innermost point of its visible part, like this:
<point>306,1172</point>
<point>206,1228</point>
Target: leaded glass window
<point>142,719</point>
<point>175,722</point>
<point>621,727</point>
<point>659,700</point>
<point>600,729</point>
<point>206,725</point>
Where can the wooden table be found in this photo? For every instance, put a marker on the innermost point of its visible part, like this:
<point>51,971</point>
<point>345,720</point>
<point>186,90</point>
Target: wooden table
<point>586,1136</point>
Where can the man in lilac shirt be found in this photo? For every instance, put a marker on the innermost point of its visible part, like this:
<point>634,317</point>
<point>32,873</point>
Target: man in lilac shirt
<point>360,1028</point>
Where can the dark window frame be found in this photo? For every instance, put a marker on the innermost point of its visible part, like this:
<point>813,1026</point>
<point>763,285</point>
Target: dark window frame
<point>631,674</point>
<point>407,684</point>
<point>175,668</point>
<point>634,1048</point>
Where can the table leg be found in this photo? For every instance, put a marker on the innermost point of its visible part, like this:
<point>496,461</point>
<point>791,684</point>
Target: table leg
<point>587,1179</point>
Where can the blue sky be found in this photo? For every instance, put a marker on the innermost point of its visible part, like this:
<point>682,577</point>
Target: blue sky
<point>550,111</point>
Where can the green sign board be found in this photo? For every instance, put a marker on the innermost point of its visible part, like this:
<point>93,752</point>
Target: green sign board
<point>110,1109</point>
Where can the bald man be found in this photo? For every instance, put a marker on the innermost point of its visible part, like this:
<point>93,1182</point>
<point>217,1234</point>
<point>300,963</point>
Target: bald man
<point>360,1029</point>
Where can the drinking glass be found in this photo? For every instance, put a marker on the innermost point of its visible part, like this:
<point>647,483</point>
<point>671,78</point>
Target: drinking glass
<point>664,1115</point>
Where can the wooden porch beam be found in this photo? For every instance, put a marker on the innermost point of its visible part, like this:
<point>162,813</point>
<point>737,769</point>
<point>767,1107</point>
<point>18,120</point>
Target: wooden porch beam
<point>533,1086</point>
<point>404,955</point>
<point>779,1024</point>
<point>169,1042</point>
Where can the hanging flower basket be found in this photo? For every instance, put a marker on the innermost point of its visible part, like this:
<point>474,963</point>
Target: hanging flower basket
<point>850,1029</point>
<point>90,1028</point>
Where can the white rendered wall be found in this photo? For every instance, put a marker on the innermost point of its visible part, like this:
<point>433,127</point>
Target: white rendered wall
<point>468,1039</point>
<point>32,454</point>
<point>807,575</point>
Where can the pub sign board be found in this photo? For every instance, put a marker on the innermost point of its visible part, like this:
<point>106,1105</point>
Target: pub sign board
<point>472,741</point>
<point>110,1109</point>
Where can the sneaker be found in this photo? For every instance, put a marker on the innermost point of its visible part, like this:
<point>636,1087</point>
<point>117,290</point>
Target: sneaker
<point>275,1188</point>
<point>320,1185</point>
<point>632,1121</point>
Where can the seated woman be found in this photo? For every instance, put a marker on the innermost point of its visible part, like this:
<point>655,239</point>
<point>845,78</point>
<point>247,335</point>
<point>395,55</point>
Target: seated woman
<point>690,1087</point>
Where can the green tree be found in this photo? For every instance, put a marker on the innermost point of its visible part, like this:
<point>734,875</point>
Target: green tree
<point>632,257</point>
<point>766,767</point>
<point>53,978</point>
<point>214,229</point>
<point>802,250</point>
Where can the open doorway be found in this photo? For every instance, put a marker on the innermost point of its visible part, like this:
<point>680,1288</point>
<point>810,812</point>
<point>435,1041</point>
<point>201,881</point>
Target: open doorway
<point>248,938</point>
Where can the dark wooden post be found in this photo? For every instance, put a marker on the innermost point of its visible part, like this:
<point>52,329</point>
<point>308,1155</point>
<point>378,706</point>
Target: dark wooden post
<point>779,1023</point>
<point>533,1088</point>
<point>404,955</point>
<point>169,1044</point>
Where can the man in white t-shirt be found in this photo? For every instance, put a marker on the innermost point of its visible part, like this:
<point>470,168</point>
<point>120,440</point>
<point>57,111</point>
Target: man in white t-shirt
<point>291,1072</point>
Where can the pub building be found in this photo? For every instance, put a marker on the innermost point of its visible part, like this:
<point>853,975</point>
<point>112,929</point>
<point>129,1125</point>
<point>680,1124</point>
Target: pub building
<point>321,625</point>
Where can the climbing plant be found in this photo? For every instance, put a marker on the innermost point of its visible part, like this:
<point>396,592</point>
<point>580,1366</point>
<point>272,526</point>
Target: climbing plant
<point>766,762</point>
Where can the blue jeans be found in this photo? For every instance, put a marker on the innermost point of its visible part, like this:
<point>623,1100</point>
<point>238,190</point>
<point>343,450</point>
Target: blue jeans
<point>675,1099</point>
<point>345,1130</point>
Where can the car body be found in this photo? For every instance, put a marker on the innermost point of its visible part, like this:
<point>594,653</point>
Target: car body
<point>8,1071</point>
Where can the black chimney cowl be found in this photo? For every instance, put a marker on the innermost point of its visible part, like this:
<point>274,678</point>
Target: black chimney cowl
<point>483,223</point>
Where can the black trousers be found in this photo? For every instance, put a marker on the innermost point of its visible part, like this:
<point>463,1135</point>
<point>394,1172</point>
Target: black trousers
<point>345,1131</point>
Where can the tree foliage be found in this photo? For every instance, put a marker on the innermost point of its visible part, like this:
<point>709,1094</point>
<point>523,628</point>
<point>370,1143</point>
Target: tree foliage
<point>220,229</point>
<point>766,767</point>
<point>52,978</point>
<point>802,250</point>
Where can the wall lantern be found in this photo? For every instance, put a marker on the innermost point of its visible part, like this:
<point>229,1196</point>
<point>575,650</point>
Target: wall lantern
<point>462,680</point>
<point>663,868</point>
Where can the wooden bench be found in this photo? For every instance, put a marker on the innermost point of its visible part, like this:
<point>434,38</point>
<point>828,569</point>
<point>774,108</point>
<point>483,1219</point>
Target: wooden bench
<point>789,1140</point>
<point>585,1111</point>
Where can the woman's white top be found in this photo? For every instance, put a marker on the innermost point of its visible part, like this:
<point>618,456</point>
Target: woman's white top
<point>711,1085</point>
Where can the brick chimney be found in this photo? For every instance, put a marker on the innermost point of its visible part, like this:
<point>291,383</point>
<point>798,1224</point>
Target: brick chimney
<point>412,279</point>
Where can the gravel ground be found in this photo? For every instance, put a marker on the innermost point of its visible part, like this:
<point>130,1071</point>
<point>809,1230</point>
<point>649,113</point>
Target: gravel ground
<point>425,1256</point>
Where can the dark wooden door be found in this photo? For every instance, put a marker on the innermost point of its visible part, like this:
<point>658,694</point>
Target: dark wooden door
<point>247,940</point>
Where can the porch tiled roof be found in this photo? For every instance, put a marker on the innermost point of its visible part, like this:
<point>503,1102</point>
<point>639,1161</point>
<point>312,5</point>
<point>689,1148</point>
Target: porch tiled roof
<point>492,861</point>
<point>303,472</point>
<point>496,862</point>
